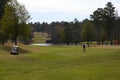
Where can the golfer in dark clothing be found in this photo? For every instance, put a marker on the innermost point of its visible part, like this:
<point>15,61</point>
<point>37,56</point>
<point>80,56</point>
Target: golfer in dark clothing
<point>84,48</point>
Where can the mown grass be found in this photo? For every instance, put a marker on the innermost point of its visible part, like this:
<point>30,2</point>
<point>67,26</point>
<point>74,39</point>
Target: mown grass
<point>60,63</point>
<point>39,37</point>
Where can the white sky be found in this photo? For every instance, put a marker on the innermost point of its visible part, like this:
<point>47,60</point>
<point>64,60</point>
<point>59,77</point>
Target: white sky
<point>64,10</point>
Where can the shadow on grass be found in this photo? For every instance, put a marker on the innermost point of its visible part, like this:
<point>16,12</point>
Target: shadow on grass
<point>21,50</point>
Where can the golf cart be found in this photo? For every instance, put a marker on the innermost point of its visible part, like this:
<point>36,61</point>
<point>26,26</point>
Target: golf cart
<point>14,50</point>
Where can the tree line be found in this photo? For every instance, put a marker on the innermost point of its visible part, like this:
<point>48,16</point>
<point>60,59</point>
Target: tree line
<point>66,32</point>
<point>103,27</point>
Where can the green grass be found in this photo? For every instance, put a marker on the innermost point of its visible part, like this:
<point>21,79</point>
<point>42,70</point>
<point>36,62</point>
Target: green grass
<point>39,37</point>
<point>60,63</point>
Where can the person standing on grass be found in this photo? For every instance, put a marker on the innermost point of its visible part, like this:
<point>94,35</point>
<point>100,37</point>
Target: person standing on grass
<point>84,47</point>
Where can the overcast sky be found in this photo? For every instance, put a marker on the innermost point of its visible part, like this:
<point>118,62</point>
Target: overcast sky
<point>64,10</point>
